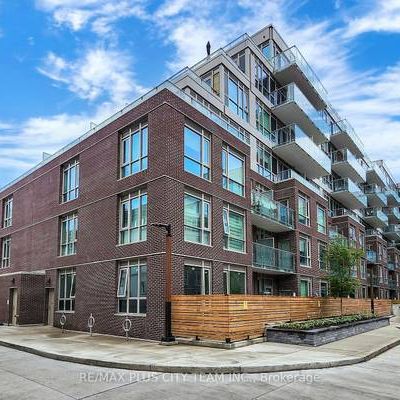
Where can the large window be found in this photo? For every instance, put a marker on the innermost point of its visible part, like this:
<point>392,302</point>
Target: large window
<point>363,269</point>
<point>69,234</point>
<point>264,81</point>
<point>352,236</point>
<point>304,210</point>
<point>197,277</point>
<point>263,120</point>
<point>197,153</point>
<point>237,96</point>
<point>70,187</point>
<point>134,150</point>
<point>264,161</point>
<point>305,251</point>
<point>233,173</point>
<point>234,280</point>
<point>5,252</point>
<point>197,216</point>
<point>305,287</point>
<point>234,229</point>
<point>133,218</point>
<point>212,79</point>
<point>7,212</point>
<point>322,256</point>
<point>132,287</point>
<point>240,60</point>
<point>66,290</point>
<point>324,289</point>
<point>321,219</point>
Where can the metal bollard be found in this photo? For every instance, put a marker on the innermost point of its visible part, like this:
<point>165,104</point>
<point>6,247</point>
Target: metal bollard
<point>91,322</point>
<point>63,320</point>
<point>126,326</point>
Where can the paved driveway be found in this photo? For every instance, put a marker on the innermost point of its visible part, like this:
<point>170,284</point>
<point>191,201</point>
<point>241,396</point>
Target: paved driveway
<point>26,376</point>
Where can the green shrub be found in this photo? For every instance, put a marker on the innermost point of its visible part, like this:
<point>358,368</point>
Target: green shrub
<point>325,322</point>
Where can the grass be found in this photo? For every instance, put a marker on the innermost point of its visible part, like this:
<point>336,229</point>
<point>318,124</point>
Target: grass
<point>325,322</point>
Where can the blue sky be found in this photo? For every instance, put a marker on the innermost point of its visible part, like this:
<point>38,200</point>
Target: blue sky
<point>65,63</point>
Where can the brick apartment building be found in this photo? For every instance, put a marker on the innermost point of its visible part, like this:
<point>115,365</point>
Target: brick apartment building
<point>246,159</point>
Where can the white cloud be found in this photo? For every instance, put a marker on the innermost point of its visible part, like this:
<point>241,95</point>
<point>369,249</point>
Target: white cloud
<point>384,16</point>
<point>100,15</point>
<point>99,72</point>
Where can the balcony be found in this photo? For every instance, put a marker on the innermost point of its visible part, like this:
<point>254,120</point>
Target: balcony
<point>372,257</point>
<point>373,232</point>
<point>375,217</point>
<point>295,147</point>
<point>272,259</point>
<point>393,214</point>
<point>374,281</point>
<point>344,137</point>
<point>290,66</point>
<point>347,166</point>
<point>292,107</point>
<point>393,197</point>
<point>344,212</point>
<point>291,174</point>
<point>269,214</point>
<point>392,232</point>
<point>391,266</point>
<point>349,194</point>
<point>334,235</point>
<point>376,175</point>
<point>392,284</point>
<point>376,197</point>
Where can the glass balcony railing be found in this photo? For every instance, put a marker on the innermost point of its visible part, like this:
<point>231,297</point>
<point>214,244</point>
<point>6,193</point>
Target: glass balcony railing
<point>291,174</point>
<point>293,134</point>
<point>373,232</point>
<point>372,256</point>
<point>345,155</point>
<point>334,235</point>
<point>267,257</point>
<point>392,229</point>
<point>392,211</point>
<point>344,126</point>
<point>376,212</point>
<point>394,194</point>
<point>263,205</point>
<point>293,56</point>
<point>341,212</point>
<point>291,93</point>
<point>391,265</point>
<point>377,191</point>
<point>347,185</point>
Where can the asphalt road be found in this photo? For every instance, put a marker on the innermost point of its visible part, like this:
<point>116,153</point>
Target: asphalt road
<point>26,376</point>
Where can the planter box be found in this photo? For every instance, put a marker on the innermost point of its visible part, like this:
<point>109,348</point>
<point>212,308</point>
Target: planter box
<point>320,336</point>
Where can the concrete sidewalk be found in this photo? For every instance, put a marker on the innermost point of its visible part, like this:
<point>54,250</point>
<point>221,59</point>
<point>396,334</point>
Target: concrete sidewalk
<point>115,352</point>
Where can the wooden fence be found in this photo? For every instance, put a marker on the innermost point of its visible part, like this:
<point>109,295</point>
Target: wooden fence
<point>238,317</point>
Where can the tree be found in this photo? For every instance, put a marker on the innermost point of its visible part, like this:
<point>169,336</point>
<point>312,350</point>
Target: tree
<point>340,260</point>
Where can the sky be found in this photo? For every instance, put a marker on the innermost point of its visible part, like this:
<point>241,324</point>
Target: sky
<point>67,63</point>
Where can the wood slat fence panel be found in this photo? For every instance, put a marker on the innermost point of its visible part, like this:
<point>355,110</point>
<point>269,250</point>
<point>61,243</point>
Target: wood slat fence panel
<point>238,317</point>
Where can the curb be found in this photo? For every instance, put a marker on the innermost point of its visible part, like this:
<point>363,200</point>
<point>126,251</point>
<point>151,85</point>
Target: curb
<point>204,369</point>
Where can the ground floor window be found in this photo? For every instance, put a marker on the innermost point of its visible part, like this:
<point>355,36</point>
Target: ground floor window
<point>197,277</point>
<point>234,280</point>
<point>265,285</point>
<point>364,292</point>
<point>132,287</point>
<point>305,287</point>
<point>324,289</point>
<point>66,290</point>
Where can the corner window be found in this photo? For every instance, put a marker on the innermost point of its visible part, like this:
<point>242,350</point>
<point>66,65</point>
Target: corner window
<point>304,210</point>
<point>212,79</point>
<point>134,150</point>
<point>352,236</point>
<point>66,290</point>
<point>264,161</point>
<point>234,229</point>
<point>5,252</point>
<point>305,251</point>
<point>132,287</point>
<point>240,60</point>
<point>197,218</point>
<point>321,220</point>
<point>233,174</point>
<point>197,277</point>
<point>70,187</point>
<point>133,218</point>
<point>7,212</point>
<point>263,120</point>
<point>69,234</point>
<point>234,280</point>
<point>197,153</point>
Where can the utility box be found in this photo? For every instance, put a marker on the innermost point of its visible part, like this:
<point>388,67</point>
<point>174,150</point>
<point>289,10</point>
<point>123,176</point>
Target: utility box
<point>396,310</point>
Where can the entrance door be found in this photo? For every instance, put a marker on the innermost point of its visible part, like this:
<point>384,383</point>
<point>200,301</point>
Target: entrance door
<point>304,288</point>
<point>265,286</point>
<point>50,307</point>
<point>14,306</point>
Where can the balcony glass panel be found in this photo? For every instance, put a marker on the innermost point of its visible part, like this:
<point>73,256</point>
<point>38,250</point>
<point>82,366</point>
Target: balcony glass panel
<point>291,93</point>
<point>271,258</point>
<point>371,256</point>
<point>346,155</point>
<point>263,205</point>
<point>293,133</point>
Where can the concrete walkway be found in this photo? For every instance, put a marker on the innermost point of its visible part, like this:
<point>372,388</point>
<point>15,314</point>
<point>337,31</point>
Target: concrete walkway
<point>115,352</point>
